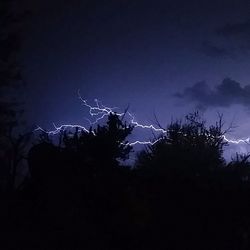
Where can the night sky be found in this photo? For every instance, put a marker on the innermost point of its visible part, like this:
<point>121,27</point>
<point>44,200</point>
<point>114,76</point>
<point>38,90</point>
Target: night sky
<point>166,58</point>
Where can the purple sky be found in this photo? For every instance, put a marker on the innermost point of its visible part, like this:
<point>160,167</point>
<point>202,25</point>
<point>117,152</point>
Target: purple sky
<point>163,57</point>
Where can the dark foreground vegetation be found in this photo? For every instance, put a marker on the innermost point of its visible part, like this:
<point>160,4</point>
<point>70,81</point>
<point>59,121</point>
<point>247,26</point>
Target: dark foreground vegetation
<point>180,194</point>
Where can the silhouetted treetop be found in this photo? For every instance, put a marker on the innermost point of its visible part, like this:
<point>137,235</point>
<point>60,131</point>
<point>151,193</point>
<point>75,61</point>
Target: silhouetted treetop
<point>189,147</point>
<point>10,73</point>
<point>104,145</point>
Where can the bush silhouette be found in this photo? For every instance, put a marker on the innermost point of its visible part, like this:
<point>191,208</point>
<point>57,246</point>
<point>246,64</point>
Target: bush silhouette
<point>188,148</point>
<point>181,194</point>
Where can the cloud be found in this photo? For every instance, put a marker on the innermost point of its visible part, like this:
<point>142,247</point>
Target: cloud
<point>228,93</point>
<point>233,40</point>
<point>213,50</point>
<point>238,34</point>
<point>235,29</point>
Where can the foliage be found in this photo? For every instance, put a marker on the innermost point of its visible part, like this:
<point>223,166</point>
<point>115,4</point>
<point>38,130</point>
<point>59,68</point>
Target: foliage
<point>182,195</point>
<point>187,148</point>
<point>105,144</point>
<point>10,73</point>
<point>11,145</point>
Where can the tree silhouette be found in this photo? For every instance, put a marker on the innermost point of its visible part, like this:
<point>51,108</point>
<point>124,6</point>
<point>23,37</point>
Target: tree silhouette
<point>182,195</point>
<point>239,168</point>
<point>104,145</point>
<point>11,145</point>
<point>10,73</point>
<point>83,168</point>
<point>190,188</point>
<point>187,148</point>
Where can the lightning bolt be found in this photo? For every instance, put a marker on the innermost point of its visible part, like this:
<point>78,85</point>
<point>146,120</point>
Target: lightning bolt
<point>99,111</point>
<point>236,141</point>
<point>63,127</point>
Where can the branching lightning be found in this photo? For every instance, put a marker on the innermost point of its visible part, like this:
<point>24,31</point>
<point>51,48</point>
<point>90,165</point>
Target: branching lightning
<point>138,125</point>
<point>63,127</point>
<point>236,141</point>
<point>99,111</point>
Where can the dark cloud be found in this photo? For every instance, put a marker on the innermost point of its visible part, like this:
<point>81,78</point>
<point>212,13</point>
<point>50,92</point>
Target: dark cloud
<point>237,35</point>
<point>227,93</point>
<point>234,39</point>
<point>213,50</point>
<point>235,29</point>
